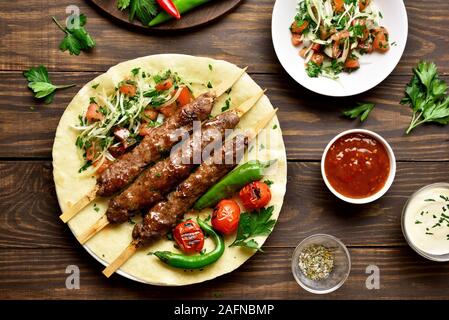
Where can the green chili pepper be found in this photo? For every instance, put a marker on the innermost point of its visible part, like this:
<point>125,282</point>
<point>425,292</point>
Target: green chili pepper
<point>182,5</point>
<point>235,180</point>
<point>198,261</point>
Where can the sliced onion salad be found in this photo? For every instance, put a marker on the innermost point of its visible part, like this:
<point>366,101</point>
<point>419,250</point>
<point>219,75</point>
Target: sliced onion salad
<point>122,111</point>
<point>321,14</point>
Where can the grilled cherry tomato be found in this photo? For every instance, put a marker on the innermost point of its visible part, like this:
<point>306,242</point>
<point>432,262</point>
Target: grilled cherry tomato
<point>189,236</point>
<point>185,97</point>
<point>255,195</point>
<point>226,216</point>
<point>128,89</point>
<point>164,85</point>
<point>93,113</point>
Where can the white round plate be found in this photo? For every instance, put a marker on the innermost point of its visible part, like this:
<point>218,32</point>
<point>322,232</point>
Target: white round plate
<point>374,67</point>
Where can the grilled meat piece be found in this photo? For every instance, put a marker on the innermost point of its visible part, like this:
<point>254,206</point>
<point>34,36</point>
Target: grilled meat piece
<point>155,182</point>
<point>160,140</point>
<point>164,215</point>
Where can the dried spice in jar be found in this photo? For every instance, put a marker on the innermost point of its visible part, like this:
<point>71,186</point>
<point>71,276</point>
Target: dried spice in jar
<point>316,262</point>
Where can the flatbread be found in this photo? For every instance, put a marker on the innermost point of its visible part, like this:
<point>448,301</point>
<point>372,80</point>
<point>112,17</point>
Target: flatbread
<point>109,243</point>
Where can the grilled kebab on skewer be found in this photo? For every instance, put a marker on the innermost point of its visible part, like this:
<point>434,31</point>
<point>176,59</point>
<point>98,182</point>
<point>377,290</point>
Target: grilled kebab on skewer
<point>125,169</point>
<point>163,216</point>
<point>156,181</point>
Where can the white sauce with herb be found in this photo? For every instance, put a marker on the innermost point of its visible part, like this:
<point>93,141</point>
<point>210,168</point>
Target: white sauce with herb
<point>427,221</point>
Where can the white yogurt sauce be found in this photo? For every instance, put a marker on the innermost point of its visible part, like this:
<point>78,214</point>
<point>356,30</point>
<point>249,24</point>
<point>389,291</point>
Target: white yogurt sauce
<point>426,220</point>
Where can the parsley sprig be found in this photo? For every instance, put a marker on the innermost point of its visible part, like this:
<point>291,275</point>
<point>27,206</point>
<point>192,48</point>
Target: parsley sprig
<point>76,38</point>
<point>253,224</point>
<point>427,96</point>
<point>40,83</point>
<point>362,110</point>
<point>144,10</point>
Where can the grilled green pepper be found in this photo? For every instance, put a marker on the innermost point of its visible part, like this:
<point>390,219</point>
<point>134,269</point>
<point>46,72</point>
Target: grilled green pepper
<point>197,261</point>
<point>235,180</point>
<point>182,5</point>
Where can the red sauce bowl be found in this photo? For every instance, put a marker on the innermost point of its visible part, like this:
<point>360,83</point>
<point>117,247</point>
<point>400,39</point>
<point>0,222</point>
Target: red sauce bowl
<point>358,166</point>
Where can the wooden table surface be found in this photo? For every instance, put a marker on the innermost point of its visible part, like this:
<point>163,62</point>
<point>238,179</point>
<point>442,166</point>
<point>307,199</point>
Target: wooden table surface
<point>35,247</point>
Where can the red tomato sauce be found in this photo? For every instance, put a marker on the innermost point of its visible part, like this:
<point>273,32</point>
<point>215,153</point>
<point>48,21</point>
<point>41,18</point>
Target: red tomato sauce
<point>357,165</point>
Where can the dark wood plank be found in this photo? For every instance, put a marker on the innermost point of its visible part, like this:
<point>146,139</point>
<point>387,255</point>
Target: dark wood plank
<point>29,37</point>
<point>30,211</point>
<point>308,121</point>
<point>206,14</point>
<point>40,274</point>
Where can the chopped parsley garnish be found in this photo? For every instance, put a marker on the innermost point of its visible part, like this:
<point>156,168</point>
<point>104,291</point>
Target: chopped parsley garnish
<point>135,71</point>
<point>85,166</point>
<point>313,70</point>
<point>227,105</point>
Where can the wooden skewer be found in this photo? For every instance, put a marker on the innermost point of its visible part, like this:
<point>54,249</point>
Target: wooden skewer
<point>225,85</point>
<point>103,221</point>
<point>79,205</point>
<point>91,195</point>
<point>252,134</point>
<point>94,229</point>
<point>132,247</point>
<point>124,256</point>
<point>248,104</point>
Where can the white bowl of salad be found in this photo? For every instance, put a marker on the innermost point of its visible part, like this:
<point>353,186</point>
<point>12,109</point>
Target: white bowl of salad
<point>339,47</point>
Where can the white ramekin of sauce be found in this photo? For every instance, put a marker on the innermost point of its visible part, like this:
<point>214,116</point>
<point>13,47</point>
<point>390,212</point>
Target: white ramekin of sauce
<point>425,221</point>
<point>358,166</point>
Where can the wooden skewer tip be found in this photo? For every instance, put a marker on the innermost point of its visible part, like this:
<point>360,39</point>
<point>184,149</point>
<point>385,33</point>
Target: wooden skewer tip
<point>121,259</point>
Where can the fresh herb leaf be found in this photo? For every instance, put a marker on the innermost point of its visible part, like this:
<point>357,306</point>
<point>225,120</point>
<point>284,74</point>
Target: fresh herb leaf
<point>123,4</point>
<point>77,38</point>
<point>40,83</point>
<point>252,225</point>
<point>210,67</point>
<point>313,70</point>
<point>227,105</point>
<point>426,94</point>
<point>85,166</point>
<point>95,86</point>
<point>209,85</point>
<point>144,10</point>
<point>268,182</point>
<point>135,71</point>
<point>362,110</point>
